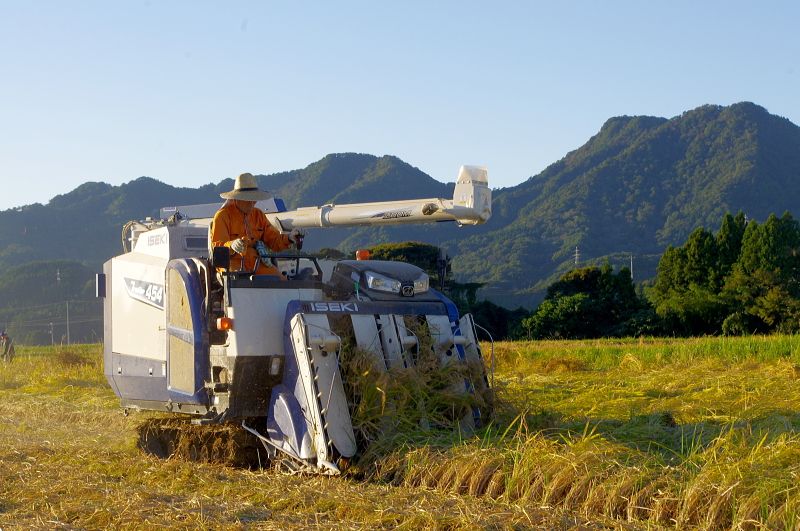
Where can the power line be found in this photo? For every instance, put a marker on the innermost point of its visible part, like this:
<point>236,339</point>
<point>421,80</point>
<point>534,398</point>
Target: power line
<point>58,322</point>
<point>15,308</point>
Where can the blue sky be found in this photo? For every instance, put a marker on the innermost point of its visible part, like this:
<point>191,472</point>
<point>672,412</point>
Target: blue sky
<point>191,92</point>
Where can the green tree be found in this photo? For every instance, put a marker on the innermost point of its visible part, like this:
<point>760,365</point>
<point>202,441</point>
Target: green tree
<point>580,280</point>
<point>330,254</point>
<point>772,246</point>
<point>701,258</point>
<point>742,281</point>
<point>763,285</point>
<point>669,279</point>
<point>587,302</point>
<point>696,311</point>
<point>681,268</point>
<point>500,322</point>
<point>566,317</point>
<point>422,255</point>
<point>750,255</point>
<point>686,293</point>
<point>729,246</point>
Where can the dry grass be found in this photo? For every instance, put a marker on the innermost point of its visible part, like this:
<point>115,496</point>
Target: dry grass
<point>417,404</point>
<point>697,434</point>
<point>69,461</point>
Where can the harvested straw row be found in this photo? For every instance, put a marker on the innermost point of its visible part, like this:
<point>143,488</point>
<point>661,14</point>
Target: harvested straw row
<point>594,477</point>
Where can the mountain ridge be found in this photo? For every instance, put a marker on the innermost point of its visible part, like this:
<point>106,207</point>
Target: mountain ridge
<point>641,183</point>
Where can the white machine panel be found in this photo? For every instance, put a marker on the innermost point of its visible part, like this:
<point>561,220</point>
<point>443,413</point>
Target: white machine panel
<point>174,242</point>
<point>366,331</point>
<point>408,341</point>
<point>316,352</point>
<point>138,293</point>
<point>392,348</point>
<point>442,335</point>
<point>258,316</point>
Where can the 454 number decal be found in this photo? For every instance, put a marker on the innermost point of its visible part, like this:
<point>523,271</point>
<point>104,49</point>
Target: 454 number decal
<point>147,292</point>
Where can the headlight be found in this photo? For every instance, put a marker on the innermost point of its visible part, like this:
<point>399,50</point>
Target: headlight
<point>421,284</point>
<point>379,282</point>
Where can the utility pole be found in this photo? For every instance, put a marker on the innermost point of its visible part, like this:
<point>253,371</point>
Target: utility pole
<point>58,282</point>
<point>442,262</point>
<point>631,268</point>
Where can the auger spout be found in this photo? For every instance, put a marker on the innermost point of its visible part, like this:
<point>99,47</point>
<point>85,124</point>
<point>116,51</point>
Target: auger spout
<point>471,205</point>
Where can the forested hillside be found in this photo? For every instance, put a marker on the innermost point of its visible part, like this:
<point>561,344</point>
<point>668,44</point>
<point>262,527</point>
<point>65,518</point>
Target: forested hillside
<point>85,224</point>
<point>353,178</point>
<point>641,184</point>
<point>47,302</point>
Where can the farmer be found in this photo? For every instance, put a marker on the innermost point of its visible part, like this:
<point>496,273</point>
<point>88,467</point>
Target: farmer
<point>239,225</point>
<point>6,346</point>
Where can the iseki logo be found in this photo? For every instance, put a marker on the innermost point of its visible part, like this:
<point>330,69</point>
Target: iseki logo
<point>157,239</point>
<point>331,307</point>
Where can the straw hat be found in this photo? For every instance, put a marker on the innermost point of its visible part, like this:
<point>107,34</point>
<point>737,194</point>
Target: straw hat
<point>246,189</point>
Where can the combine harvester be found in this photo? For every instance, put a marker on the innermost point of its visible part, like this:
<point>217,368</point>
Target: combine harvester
<point>186,334</point>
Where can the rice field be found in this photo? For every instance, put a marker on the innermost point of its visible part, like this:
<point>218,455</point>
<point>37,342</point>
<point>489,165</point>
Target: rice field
<point>611,434</point>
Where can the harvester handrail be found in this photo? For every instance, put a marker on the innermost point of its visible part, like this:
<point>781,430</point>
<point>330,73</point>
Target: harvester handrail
<point>203,266</point>
<point>244,273</point>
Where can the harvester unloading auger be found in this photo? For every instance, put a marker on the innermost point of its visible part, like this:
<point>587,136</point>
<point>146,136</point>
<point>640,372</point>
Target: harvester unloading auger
<point>185,334</point>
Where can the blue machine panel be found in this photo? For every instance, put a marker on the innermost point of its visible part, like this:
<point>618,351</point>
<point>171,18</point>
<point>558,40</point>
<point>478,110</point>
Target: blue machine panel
<point>138,378</point>
<point>188,351</point>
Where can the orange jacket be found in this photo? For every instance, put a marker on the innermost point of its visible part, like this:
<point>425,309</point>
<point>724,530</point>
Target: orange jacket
<point>229,225</point>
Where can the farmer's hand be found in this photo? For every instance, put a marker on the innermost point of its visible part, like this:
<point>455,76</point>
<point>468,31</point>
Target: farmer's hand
<point>297,233</point>
<point>238,246</point>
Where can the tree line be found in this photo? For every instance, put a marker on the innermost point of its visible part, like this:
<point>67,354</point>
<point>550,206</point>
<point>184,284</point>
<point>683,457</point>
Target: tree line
<point>50,302</point>
<point>741,280</point>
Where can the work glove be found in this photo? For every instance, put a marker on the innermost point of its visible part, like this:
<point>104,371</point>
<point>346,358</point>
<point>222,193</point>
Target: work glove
<point>297,233</point>
<point>238,246</point>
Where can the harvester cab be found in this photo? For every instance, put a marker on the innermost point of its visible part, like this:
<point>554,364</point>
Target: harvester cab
<point>186,334</point>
